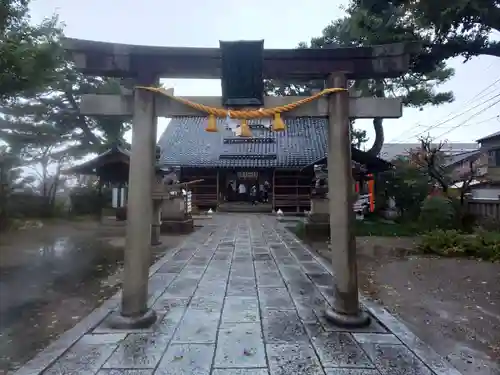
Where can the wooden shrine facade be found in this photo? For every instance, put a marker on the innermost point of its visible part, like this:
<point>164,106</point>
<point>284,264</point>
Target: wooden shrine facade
<point>284,160</point>
<point>290,188</point>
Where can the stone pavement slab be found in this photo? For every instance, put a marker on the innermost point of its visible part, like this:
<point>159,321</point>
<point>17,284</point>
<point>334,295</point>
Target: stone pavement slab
<point>241,296</point>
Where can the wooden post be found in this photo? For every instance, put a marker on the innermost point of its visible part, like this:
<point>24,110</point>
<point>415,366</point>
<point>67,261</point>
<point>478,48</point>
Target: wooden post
<point>345,310</point>
<point>297,197</point>
<point>217,202</point>
<point>274,181</point>
<point>134,310</point>
<point>100,199</point>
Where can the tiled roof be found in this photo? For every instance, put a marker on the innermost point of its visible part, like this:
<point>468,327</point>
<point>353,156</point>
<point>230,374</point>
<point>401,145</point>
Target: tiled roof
<point>491,136</point>
<point>454,159</point>
<point>368,162</point>
<point>186,143</point>
<point>392,150</point>
<point>89,166</point>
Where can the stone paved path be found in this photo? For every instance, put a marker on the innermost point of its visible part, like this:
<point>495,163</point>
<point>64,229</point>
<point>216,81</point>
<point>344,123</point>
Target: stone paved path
<point>240,297</point>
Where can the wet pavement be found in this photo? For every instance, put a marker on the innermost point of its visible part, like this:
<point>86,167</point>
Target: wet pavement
<point>51,266</point>
<point>50,278</point>
<point>43,290</point>
<point>240,297</point>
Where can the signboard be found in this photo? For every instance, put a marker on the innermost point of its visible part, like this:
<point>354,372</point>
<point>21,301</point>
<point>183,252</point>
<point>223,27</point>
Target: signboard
<point>248,157</point>
<point>362,204</point>
<point>238,140</point>
<point>248,175</point>
<point>189,206</point>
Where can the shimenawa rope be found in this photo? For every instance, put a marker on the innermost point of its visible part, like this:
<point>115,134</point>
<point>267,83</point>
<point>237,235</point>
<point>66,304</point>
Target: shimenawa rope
<point>243,115</point>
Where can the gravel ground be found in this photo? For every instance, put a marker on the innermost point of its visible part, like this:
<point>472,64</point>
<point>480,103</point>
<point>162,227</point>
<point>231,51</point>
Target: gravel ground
<point>451,304</point>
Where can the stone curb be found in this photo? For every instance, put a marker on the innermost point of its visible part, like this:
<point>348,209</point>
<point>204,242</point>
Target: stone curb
<point>424,352</point>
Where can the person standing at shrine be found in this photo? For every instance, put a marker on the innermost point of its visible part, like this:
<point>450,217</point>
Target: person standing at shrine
<point>265,195</point>
<point>242,190</point>
<point>253,194</point>
<point>230,191</point>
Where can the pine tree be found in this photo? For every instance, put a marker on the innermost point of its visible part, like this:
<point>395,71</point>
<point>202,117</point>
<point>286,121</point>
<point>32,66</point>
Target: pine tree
<point>47,131</point>
<point>29,53</point>
<point>51,117</point>
<point>452,27</point>
<point>415,88</point>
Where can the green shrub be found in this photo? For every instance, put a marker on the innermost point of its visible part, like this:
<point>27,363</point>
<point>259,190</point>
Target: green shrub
<point>481,244</point>
<point>384,229</point>
<point>370,228</point>
<point>489,223</point>
<point>489,245</point>
<point>88,201</point>
<point>437,212</point>
<point>407,184</point>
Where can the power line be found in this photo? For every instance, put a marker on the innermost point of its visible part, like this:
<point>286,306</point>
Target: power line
<point>497,117</point>
<point>452,128</point>
<point>481,94</point>
<point>458,115</point>
<point>486,88</point>
<point>454,117</point>
<point>462,113</point>
<point>475,123</point>
<point>474,115</point>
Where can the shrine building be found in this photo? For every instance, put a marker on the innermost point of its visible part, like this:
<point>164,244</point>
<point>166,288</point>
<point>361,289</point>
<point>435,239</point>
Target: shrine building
<point>284,159</point>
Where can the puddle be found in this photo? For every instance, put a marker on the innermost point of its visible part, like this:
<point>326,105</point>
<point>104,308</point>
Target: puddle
<point>52,277</point>
<point>46,289</point>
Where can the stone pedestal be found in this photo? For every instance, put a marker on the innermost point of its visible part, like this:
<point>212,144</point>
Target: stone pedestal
<point>317,223</point>
<point>156,223</point>
<point>391,212</point>
<point>174,218</point>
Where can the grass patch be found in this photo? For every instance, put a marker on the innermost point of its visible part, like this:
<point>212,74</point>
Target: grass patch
<point>383,229</point>
<point>366,228</point>
<point>452,243</point>
<point>298,229</point>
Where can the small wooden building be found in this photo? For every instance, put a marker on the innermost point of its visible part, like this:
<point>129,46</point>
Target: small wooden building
<point>284,159</point>
<point>112,170</point>
<point>111,166</point>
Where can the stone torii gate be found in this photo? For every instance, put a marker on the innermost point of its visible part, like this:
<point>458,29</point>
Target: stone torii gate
<point>144,65</point>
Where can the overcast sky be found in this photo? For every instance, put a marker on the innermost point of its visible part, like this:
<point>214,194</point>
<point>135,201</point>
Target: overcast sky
<point>282,24</point>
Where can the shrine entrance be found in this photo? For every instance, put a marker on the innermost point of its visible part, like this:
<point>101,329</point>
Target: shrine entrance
<point>242,68</point>
<point>246,186</point>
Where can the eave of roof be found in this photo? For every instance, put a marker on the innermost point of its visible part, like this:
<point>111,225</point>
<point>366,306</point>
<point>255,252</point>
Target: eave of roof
<point>452,160</point>
<point>489,137</point>
<point>370,162</point>
<point>90,166</point>
<point>185,143</point>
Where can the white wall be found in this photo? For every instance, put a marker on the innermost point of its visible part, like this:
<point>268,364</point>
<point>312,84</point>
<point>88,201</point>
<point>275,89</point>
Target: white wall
<point>485,193</point>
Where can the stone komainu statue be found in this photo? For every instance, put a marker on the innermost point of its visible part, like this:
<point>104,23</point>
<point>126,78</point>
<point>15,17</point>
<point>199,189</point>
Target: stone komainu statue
<point>170,178</point>
<point>320,180</point>
<point>165,176</point>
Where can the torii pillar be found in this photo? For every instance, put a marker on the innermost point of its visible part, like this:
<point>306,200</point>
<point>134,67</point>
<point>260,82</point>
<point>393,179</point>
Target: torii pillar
<point>134,312</point>
<point>346,310</point>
